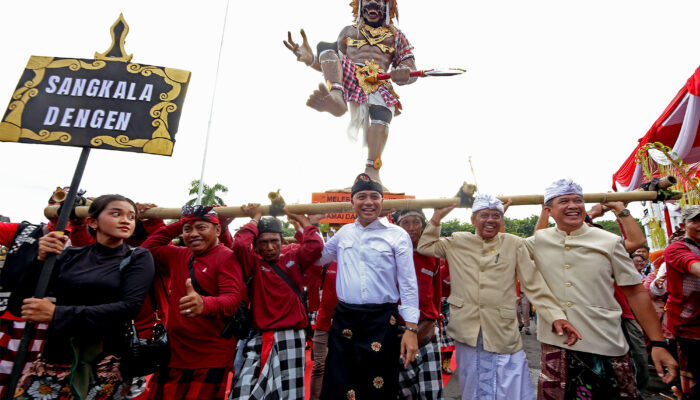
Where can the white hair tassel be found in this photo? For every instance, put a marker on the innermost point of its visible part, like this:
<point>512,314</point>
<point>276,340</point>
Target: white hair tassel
<point>388,8</point>
<point>359,12</point>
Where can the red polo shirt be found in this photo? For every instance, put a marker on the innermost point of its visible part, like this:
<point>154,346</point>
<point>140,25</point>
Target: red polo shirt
<point>274,303</point>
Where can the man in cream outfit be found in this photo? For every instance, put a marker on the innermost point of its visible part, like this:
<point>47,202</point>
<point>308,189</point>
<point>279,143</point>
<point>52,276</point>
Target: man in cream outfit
<point>580,265</point>
<point>483,268</point>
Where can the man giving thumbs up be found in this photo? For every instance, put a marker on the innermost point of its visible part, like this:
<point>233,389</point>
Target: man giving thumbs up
<point>206,287</point>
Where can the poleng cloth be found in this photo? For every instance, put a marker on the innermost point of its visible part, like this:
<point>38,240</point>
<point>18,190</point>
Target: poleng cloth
<point>580,269</point>
<point>483,296</point>
<point>273,367</point>
<point>353,91</point>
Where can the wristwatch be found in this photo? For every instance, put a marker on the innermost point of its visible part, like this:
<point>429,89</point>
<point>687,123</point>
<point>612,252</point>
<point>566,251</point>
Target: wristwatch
<point>623,213</point>
<point>659,343</point>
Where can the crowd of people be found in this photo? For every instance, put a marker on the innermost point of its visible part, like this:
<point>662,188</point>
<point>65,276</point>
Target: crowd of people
<point>383,304</point>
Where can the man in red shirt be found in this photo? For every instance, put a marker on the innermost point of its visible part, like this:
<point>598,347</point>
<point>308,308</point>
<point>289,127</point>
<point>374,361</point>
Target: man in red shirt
<point>329,299</point>
<point>206,287</point>
<point>447,344</point>
<point>274,356</point>
<point>683,282</point>
<point>422,379</point>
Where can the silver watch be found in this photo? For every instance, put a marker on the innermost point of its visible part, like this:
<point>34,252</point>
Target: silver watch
<point>623,213</point>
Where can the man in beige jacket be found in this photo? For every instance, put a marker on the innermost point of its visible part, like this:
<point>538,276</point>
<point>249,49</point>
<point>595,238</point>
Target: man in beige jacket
<point>483,267</point>
<point>580,264</point>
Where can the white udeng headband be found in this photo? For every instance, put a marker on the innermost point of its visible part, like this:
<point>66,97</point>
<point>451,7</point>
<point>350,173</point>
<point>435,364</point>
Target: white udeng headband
<point>560,188</point>
<point>486,201</point>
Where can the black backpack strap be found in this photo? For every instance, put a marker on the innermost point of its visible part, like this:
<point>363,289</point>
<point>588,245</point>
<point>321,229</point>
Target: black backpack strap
<point>195,284</point>
<point>288,281</point>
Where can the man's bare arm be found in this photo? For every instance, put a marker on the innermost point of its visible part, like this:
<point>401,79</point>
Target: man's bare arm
<point>634,237</point>
<point>640,303</point>
<point>695,269</point>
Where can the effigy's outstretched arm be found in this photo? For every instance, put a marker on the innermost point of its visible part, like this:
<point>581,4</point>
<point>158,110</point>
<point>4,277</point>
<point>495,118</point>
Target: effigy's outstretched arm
<point>303,52</point>
<point>401,73</point>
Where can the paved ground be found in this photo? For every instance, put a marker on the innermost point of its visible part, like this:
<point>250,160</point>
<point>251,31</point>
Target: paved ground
<point>532,350</point>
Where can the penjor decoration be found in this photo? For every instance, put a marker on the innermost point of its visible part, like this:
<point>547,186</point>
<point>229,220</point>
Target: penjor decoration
<point>360,69</point>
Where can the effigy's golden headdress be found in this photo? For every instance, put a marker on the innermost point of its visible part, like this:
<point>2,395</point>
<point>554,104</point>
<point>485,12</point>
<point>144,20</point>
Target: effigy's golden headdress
<point>391,12</point>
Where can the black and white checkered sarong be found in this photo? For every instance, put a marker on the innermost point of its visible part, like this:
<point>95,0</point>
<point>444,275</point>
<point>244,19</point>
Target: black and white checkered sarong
<point>282,376</point>
<point>423,377</point>
<point>446,341</point>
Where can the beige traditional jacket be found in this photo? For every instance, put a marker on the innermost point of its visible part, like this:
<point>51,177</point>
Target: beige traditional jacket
<point>483,293</point>
<point>581,268</point>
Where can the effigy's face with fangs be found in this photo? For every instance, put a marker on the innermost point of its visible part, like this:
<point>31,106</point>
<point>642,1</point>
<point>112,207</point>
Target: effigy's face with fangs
<point>373,11</point>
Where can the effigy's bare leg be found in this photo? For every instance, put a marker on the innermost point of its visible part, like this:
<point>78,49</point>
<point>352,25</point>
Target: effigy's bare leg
<point>377,136</point>
<point>322,99</point>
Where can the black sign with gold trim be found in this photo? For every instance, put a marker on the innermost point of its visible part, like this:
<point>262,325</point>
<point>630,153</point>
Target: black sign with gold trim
<point>108,102</point>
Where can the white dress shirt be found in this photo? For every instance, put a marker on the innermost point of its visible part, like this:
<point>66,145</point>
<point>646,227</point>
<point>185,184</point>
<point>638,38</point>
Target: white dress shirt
<point>371,261</point>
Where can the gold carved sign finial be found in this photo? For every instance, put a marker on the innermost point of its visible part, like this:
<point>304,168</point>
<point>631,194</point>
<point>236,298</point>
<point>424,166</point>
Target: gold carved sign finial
<point>116,51</point>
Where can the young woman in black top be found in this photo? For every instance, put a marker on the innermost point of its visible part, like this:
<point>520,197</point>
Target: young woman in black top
<point>94,300</point>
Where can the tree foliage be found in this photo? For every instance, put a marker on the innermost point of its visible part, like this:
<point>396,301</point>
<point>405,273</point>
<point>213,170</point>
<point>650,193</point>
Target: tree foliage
<point>209,193</point>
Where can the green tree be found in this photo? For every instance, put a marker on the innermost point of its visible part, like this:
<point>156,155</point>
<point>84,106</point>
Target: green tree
<point>613,227</point>
<point>209,193</point>
<point>453,225</point>
<point>524,227</point>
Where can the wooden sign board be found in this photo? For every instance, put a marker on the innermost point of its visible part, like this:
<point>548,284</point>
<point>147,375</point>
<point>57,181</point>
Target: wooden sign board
<point>345,218</point>
<point>107,102</point>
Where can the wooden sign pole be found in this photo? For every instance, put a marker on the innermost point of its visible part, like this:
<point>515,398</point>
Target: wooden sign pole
<point>45,277</point>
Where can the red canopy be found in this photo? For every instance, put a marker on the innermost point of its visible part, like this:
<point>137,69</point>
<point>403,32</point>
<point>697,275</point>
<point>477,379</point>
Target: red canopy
<point>677,127</point>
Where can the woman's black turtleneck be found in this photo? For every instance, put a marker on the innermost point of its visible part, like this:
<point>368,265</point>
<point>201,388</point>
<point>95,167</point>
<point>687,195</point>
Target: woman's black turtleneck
<point>94,298</point>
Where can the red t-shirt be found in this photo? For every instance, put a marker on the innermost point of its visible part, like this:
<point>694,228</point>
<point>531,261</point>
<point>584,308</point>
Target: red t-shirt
<point>161,288</point>
<point>196,342</point>
<point>274,303</point>
<point>329,299</point>
<point>683,304</point>
<point>622,300</point>
<point>429,285</point>
<point>445,278</point>
<point>7,233</point>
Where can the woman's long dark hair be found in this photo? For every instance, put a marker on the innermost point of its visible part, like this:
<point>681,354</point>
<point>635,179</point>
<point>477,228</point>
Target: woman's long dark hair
<point>99,204</point>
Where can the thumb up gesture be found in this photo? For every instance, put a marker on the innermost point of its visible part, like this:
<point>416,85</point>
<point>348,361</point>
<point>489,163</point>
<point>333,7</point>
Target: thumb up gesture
<point>191,305</point>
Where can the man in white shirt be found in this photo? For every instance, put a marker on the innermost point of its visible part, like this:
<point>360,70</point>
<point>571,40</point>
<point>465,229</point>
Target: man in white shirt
<point>375,271</point>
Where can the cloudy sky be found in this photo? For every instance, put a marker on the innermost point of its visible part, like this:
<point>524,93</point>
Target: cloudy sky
<point>553,89</point>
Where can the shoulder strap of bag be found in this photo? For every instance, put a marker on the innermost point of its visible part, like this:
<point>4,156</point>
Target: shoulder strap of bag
<point>195,284</point>
<point>287,280</point>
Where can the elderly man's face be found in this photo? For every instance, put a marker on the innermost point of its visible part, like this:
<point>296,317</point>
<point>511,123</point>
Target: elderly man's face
<point>568,211</point>
<point>487,222</point>
<point>414,226</point>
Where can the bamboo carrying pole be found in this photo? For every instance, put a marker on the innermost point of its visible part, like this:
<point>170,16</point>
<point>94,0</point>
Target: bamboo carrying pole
<point>399,204</point>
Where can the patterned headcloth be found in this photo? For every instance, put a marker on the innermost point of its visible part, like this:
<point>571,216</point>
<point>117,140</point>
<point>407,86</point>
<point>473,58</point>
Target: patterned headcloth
<point>270,225</point>
<point>401,214</point>
<point>364,182</point>
<point>486,202</point>
<point>560,188</point>
<point>199,213</point>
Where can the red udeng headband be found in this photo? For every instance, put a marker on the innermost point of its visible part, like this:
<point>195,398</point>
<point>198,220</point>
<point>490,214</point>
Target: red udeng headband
<point>214,219</point>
